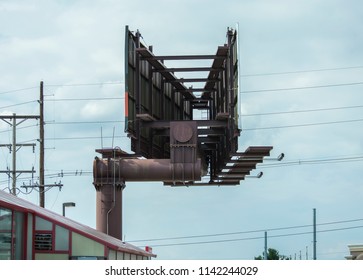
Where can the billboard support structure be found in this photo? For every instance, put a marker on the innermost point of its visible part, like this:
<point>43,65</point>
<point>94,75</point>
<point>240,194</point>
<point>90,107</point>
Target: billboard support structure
<point>171,142</point>
<point>157,99</point>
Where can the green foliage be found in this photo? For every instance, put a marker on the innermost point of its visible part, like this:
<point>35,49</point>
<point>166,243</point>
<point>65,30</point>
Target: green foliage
<point>272,254</point>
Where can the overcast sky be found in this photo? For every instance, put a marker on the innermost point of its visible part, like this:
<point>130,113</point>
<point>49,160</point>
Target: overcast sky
<point>301,92</point>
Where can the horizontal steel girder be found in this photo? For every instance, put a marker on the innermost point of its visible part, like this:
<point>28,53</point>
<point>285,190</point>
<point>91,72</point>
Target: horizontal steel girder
<point>109,171</point>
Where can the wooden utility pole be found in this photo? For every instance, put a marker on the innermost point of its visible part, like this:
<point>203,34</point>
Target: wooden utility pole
<point>13,189</point>
<point>41,185</point>
<point>41,146</point>
<point>14,147</point>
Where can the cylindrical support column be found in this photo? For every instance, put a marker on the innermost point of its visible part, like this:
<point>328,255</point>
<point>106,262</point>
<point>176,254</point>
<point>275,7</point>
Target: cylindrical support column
<point>109,210</point>
<point>110,174</point>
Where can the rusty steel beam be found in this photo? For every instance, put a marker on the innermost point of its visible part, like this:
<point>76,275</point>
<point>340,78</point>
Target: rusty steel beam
<point>254,151</point>
<point>189,80</point>
<point>206,184</point>
<point>188,69</point>
<point>201,123</point>
<point>184,57</point>
<point>230,177</point>
<point>197,90</point>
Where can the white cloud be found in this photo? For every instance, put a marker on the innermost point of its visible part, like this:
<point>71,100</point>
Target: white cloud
<point>11,6</point>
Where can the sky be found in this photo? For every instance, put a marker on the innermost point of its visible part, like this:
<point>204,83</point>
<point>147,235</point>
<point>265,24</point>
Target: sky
<point>301,66</point>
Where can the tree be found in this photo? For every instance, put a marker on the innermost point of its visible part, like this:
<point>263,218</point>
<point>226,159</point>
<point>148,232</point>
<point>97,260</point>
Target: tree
<point>272,254</point>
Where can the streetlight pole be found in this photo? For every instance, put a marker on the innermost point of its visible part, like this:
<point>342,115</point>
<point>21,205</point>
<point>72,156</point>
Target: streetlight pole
<point>67,204</point>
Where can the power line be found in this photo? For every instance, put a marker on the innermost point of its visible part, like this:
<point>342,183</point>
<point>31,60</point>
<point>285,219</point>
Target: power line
<point>301,71</point>
<point>16,90</point>
<point>22,127</point>
<point>300,88</point>
<point>303,111</point>
<point>64,85</point>
<point>247,232</point>
<point>80,138</point>
<point>18,104</point>
<point>313,161</point>
<point>84,122</point>
<point>292,163</point>
<point>86,99</point>
<point>252,238</point>
<point>303,125</point>
<point>84,84</point>
<point>60,174</point>
<point>217,234</point>
<point>85,137</point>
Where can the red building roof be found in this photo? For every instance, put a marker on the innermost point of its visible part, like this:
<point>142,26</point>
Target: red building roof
<point>12,202</point>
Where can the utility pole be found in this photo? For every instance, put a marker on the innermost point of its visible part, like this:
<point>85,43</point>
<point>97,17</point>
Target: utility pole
<point>265,256</point>
<point>314,234</point>
<point>41,185</point>
<point>41,146</point>
<point>13,189</point>
<point>13,147</point>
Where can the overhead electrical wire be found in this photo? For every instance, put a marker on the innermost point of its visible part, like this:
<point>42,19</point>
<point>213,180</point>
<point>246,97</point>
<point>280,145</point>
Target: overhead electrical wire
<point>86,99</point>
<point>63,85</point>
<point>302,125</point>
<point>86,137</point>
<point>302,111</point>
<point>314,161</point>
<point>252,231</point>
<point>252,238</point>
<point>58,175</point>
<point>84,84</point>
<point>249,231</point>
<point>18,104</point>
<point>84,122</point>
<point>300,88</point>
<point>16,90</point>
<point>302,71</point>
<point>18,128</point>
